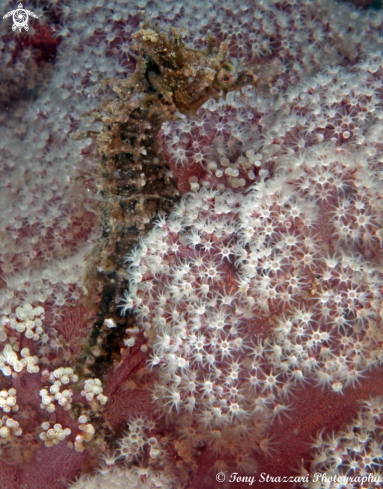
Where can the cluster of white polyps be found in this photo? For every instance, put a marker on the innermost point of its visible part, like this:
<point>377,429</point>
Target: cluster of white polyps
<point>8,429</point>
<point>93,392</point>
<point>10,364</point>
<point>28,320</point>
<point>353,452</point>
<point>60,376</point>
<point>8,400</point>
<point>87,430</point>
<point>53,436</point>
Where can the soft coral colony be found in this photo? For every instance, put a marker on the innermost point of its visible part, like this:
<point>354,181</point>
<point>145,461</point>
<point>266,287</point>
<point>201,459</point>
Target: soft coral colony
<point>248,337</point>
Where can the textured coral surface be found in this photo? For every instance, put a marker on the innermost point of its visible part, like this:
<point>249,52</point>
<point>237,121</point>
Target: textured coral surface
<point>250,337</point>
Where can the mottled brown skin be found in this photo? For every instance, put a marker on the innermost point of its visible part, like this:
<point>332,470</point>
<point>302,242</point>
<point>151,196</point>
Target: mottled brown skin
<point>185,77</point>
<point>135,181</point>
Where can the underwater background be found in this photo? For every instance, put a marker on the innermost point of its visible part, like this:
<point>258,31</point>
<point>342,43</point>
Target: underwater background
<point>238,341</point>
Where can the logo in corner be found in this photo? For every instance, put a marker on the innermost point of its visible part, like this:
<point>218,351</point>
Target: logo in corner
<point>20,18</point>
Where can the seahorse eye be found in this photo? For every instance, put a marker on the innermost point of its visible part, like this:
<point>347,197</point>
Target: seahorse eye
<point>226,76</point>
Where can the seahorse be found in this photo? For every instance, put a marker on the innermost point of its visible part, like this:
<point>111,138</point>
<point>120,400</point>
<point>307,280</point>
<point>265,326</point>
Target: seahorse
<point>171,80</point>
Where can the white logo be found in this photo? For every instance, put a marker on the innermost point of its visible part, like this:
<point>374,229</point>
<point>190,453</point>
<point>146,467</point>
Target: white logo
<point>20,17</point>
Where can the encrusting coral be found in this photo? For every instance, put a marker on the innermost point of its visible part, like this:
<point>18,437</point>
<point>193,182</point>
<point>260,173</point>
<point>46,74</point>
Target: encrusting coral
<point>260,291</point>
